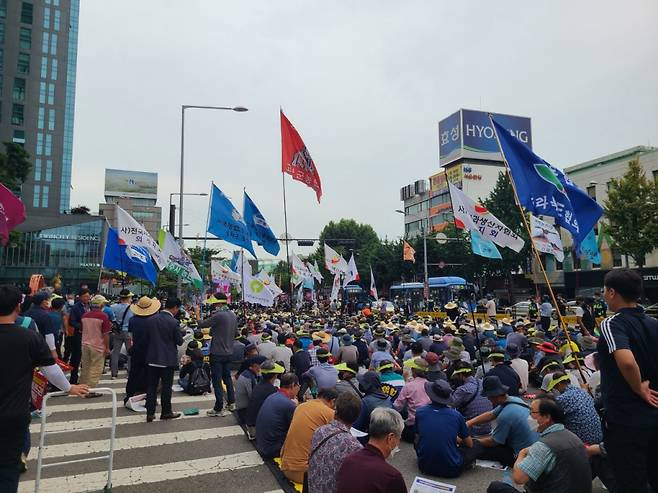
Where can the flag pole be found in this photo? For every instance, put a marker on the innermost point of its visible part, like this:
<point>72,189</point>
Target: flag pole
<point>205,238</point>
<point>100,270</point>
<point>285,223</point>
<point>244,308</point>
<point>561,323</point>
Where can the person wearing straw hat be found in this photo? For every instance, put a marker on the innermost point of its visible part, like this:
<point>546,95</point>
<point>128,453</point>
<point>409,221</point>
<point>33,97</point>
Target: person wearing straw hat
<point>438,428</point>
<point>96,329</point>
<point>502,369</point>
<point>347,379</point>
<point>413,395</point>
<point>580,416</point>
<point>270,372</point>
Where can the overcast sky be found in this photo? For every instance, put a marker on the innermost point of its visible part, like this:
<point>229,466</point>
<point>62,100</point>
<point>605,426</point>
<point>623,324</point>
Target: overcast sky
<point>364,82</point>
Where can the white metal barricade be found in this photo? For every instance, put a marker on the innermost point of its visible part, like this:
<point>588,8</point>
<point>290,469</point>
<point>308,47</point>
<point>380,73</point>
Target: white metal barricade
<point>42,437</point>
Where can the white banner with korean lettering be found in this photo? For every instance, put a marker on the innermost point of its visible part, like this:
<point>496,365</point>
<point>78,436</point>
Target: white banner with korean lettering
<point>256,292</point>
<point>472,216</point>
<point>546,238</point>
<point>134,234</point>
<point>222,273</point>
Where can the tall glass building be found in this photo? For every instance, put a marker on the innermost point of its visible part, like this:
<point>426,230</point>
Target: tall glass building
<point>38,55</point>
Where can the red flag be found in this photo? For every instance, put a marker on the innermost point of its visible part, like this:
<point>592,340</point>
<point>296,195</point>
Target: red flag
<point>295,159</point>
<point>408,253</point>
<point>12,213</point>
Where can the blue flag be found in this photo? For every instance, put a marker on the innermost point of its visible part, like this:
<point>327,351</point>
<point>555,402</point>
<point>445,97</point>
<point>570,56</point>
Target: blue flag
<point>545,190</point>
<point>133,260</point>
<point>226,222</point>
<point>483,247</point>
<point>589,249</point>
<point>234,261</point>
<point>258,227</point>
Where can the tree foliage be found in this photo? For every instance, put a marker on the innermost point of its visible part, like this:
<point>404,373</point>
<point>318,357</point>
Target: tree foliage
<point>201,258</point>
<point>81,210</point>
<point>631,210</point>
<point>15,166</point>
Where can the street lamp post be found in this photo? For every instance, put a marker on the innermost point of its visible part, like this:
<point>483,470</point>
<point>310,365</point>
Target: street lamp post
<point>426,284</point>
<point>239,109</point>
<point>172,211</point>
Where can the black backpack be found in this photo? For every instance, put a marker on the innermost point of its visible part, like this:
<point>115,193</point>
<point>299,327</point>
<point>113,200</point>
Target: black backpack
<point>199,382</point>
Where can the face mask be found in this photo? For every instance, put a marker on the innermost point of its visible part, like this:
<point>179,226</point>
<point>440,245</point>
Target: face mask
<point>532,423</point>
<point>394,452</point>
<point>70,302</point>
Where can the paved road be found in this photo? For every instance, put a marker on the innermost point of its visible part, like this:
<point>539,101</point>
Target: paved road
<point>198,453</point>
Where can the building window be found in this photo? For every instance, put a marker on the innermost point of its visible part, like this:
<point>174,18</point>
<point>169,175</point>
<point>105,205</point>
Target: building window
<point>19,137</point>
<point>26,13</point>
<point>37,196</point>
<point>57,20</point>
<point>17,112</point>
<point>19,90</point>
<point>44,196</point>
<point>44,67</point>
<point>51,120</point>
<point>3,9</point>
<point>39,144</point>
<point>2,32</point>
<point>53,44</point>
<point>41,117</point>
<point>49,145</point>
<point>51,93</point>
<point>46,17</point>
<point>56,3</point>
<point>591,192</point>
<point>49,170</point>
<point>25,38</point>
<point>45,42</point>
<point>42,93</point>
<point>53,69</point>
<point>37,169</point>
<point>23,63</point>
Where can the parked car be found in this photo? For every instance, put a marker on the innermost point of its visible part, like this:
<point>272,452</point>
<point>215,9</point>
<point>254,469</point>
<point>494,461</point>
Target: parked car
<point>518,310</point>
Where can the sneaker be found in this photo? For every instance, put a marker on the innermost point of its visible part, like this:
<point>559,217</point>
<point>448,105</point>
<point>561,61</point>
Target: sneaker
<point>113,377</point>
<point>225,412</point>
<point>91,395</point>
<point>150,418</point>
<point>170,416</point>
<point>212,412</point>
<point>231,407</point>
<point>23,466</point>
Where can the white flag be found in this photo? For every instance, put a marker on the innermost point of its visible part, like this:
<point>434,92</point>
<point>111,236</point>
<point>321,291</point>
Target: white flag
<point>243,265</point>
<point>256,292</point>
<point>334,263</point>
<point>222,273</point>
<point>373,286</point>
<point>300,297</point>
<point>299,271</point>
<point>546,238</point>
<point>316,272</point>
<point>269,283</point>
<point>178,261</point>
<point>352,274</point>
<point>335,288</point>
<point>475,217</point>
<point>134,234</point>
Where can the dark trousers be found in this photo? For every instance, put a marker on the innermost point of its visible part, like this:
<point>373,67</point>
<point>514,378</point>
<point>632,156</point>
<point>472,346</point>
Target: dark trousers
<point>545,323</point>
<point>13,441</point>
<point>600,467</point>
<point>469,456</point>
<point>633,456</point>
<point>136,383</point>
<point>220,371</point>
<point>409,433</point>
<point>500,487</point>
<point>76,355</point>
<point>58,344</point>
<point>500,453</point>
<point>154,376</point>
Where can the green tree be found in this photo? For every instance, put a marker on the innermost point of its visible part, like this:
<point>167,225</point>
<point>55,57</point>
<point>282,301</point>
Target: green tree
<point>201,258</point>
<point>15,166</point>
<point>631,210</point>
<point>81,210</point>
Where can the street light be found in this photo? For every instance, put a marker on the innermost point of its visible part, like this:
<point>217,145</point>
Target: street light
<point>172,211</point>
<point>239,109</point>
<point>426,286</point>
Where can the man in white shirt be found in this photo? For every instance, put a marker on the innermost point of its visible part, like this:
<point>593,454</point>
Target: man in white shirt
<point>520,366</point>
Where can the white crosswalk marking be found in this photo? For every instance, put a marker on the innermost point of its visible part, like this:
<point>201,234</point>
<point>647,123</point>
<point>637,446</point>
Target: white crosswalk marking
<point>110,381</point>
<point>147,474</point>
<point>78,404</point>
<point>97,446</point>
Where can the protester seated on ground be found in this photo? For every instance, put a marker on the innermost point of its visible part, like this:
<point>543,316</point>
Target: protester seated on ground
<point>392,382</point>
<point>511,432</point>
<point>266,347</point>
<point>382,353</point>
<point>282,353</point>
<point>557,462</point>
<point>331,443</point>
<point>250,351</point>
<point>347,381</point>
<point>275,415</point>
<point>438,344</point>
<point>576,375</point>
<point>362,348</point>
<point>415,351</point>
<point>348,353</point>
<point>322,376</point>
<point>435,369</point>
<point>546,354</point>
<point>520,366</point>
<point>269,371</point>
<point>467,397</point>
<point>244,386</point>
<point>412,396</point>
<point>373,397</point>
<point>580,416</point>
<point>503,370</point>
<point>366,470</point>
<point>300,361</point>
<point>189,378</point>
<point>439,428</point>
<point>308,417</point>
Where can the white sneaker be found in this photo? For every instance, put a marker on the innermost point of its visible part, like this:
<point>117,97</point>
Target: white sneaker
<point>225,412</point>
<point>231,407</point>
<point>213,413</point>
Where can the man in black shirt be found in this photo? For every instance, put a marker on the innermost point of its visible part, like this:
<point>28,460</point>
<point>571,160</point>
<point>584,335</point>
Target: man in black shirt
<point>503,370</point>
<point>21,350</point>
<point>628,352</point>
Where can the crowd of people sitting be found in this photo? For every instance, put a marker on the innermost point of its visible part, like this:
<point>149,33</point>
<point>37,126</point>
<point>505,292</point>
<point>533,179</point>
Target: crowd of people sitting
<point>330,397</point>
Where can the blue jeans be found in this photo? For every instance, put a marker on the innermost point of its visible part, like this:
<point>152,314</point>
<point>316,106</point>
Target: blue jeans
<point>220,370</point>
